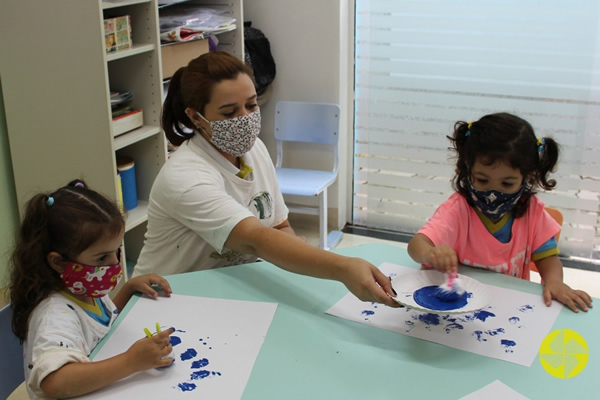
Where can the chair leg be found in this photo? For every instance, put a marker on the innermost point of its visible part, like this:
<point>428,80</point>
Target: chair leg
<point>323,219</point>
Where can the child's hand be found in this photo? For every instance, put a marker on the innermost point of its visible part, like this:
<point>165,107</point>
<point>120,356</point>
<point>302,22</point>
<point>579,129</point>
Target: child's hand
<point>442,257</point>
<point>569,297</point>
<point>147,353</point>
<point>144,284</point>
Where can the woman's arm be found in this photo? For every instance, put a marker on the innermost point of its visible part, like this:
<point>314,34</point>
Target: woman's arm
<point>363,279</point>
<point>551,272</point>
<point>79,378</point>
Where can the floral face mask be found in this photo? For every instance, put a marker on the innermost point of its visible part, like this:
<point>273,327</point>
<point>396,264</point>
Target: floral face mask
<point>235,136</point>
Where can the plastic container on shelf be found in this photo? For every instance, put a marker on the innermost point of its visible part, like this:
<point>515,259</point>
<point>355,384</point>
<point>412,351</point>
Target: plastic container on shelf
<point>126,167</point>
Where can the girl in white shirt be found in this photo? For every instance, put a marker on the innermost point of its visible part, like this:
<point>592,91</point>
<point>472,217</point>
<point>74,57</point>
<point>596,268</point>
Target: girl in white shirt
<point>66,260</point>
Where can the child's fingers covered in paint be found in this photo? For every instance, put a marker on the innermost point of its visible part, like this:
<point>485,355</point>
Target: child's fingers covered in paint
<point>148,353</point>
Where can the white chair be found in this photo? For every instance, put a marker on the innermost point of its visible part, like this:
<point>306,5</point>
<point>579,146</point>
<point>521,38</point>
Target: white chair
<point>11,355</point>
<point>309,123</point>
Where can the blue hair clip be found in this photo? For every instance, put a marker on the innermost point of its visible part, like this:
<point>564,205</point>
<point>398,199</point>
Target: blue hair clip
<point>49,201</point>
<point>541,143</point>
<point>469,125</point>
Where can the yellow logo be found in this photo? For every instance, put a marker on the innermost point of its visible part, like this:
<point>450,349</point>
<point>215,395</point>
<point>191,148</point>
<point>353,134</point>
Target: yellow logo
<point>564,353</point>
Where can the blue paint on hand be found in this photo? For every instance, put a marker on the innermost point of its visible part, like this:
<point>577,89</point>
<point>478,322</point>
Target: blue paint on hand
<point>188,354</point>
<point>428,297</point>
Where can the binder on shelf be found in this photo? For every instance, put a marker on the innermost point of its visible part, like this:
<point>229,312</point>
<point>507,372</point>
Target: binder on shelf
<point>127,122</point>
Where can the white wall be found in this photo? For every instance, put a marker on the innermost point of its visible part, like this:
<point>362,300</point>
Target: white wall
<point>311,42</point>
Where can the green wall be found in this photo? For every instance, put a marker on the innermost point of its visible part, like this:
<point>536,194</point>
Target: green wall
<point>9,212</point>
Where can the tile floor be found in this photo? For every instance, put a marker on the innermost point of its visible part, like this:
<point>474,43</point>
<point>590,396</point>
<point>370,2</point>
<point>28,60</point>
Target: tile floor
<point>576,278</point>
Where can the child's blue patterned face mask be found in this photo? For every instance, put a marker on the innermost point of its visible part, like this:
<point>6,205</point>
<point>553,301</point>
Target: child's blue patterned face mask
<point>493,203</point>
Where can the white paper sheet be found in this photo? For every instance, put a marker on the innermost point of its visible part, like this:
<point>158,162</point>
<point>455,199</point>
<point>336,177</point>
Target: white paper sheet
<point>511,328</point>
<point>220,340</point>
<point>495,391</point>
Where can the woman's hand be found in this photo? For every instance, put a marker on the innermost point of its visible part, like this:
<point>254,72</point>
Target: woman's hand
<point>442,257</point>
<point>143,284</point>
<point>148,353</point>
<point>569,297</point>
<point>368,283</point>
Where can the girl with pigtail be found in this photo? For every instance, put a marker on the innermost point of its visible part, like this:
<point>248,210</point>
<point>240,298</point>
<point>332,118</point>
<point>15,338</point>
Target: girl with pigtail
<point>66,261</point>
<point>494,220</point>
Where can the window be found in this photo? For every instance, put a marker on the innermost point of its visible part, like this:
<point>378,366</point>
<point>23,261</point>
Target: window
<point>423,65</point>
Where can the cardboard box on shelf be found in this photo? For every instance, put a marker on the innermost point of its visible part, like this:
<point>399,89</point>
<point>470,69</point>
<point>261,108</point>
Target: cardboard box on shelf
<point>177,55</point>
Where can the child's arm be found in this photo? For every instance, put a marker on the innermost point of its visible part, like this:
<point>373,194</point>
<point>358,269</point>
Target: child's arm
<point>79,378</point>
<point>141,284</point>
<point>422,250</point>
<point>550,269</point>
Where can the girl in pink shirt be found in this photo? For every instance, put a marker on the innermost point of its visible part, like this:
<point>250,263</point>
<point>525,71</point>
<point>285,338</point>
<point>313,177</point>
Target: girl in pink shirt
<point>494,220</point>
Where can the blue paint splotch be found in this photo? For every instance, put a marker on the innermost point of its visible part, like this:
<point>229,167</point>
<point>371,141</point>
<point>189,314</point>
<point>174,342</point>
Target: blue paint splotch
<point>526,308</point>
<point>514,320</point>
<point>508,345</point>
<point>482,315</point>
<point>429,320</point>
<point>203,362</point>
<point>428,297</point>
<point>494,332</point>
<point>202,374</point>
<point>479,336</point>
<point>367,314</point>
<point>410,324</point>
<point>186,386</point>
<point>175,340</point>
<point>450,327</point>
<point>188,354</point>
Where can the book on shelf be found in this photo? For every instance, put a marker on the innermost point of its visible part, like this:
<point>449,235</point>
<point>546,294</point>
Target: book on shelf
<point>127,122</point>
<point>117,33</point>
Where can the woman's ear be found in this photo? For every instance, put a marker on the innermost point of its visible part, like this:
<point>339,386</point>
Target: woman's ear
<point>193,116</point>
<point>57,261</point>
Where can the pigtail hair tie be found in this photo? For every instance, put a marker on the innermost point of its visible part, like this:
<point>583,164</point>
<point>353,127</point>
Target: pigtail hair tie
<point>49,201</point>
<point>79,185</point>
<point>541,142</point>
<point>469,125</point>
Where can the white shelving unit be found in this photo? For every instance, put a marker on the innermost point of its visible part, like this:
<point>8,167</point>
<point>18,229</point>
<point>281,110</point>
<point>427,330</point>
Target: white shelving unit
<point>56,81</point>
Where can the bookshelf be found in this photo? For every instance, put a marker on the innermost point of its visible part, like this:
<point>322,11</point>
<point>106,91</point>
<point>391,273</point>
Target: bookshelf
<point>56,82</point>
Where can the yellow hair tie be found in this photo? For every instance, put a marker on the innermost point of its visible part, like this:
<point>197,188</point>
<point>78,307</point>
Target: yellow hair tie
<point>469,125</point>
<point>539,141</point>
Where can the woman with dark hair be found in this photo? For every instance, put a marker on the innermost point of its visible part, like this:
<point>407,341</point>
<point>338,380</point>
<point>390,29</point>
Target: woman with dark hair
<point>216,201</point>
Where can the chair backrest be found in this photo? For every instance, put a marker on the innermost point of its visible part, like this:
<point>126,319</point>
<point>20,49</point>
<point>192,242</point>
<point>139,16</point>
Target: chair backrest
<point>308,123</point>
<point>11,355</point>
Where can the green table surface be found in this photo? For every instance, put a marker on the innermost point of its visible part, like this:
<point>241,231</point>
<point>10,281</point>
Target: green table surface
<point>308,354</point>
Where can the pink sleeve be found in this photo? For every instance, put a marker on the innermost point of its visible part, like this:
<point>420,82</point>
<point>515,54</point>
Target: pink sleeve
<point>443,226</point>
<point>544,227</point>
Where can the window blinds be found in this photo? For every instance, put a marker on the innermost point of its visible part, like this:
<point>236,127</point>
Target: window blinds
<point>423,65</point>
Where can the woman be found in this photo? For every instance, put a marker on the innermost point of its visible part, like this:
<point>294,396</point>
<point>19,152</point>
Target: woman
<point>216,201</point>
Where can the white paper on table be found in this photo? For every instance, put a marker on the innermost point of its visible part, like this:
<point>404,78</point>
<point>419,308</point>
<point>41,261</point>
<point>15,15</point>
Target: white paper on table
<point>226,336</point>
<point>511,328</point>
<point>495,391</point>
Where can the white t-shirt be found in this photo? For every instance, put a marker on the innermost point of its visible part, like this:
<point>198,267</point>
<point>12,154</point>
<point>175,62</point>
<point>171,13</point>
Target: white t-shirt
<point>60,332</point>
<point>197,200</point>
